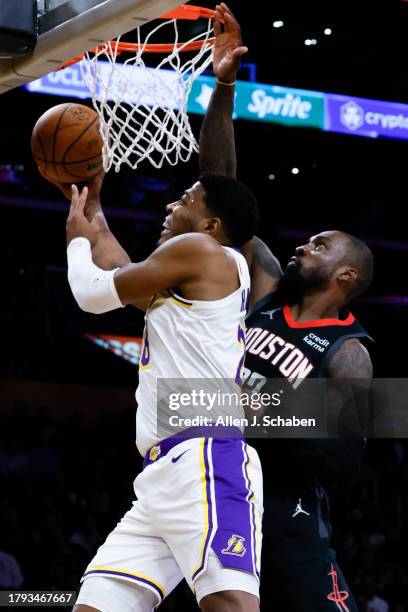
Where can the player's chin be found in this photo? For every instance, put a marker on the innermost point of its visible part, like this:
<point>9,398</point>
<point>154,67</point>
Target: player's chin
<point>164,236</point>
<point>292,267</point>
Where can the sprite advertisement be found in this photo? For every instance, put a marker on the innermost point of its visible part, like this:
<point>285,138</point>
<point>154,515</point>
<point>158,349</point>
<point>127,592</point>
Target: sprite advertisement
<point>266,103</point>
<point>258,102</point>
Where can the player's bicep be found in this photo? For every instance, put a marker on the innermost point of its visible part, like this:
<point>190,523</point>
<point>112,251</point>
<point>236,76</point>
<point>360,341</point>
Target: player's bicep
<point>169,266</point>
<point>136,283</point>
<point>264,268</point>
<point>352,360</point>
<point>348,390</point>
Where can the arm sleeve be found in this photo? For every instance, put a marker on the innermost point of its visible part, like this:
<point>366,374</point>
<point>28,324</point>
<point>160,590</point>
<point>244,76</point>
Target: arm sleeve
<point>93,288</point>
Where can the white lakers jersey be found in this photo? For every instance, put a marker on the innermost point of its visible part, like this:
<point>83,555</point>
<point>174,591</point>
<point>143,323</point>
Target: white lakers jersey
<point>189,339</point>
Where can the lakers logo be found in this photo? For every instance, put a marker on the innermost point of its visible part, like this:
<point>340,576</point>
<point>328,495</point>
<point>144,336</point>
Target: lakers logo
<point>235,546</point>
<point>154,453</point>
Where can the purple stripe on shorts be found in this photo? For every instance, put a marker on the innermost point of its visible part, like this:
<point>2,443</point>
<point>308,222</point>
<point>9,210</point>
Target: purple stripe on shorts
<point>209,504</point>
<point>233,540</point>
<point>252,507</point>
<point>125,575</point>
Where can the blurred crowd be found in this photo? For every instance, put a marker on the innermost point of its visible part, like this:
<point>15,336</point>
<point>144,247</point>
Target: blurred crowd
<point>65,483</point>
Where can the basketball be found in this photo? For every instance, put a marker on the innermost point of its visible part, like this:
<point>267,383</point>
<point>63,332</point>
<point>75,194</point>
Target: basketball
<point>66,143</point>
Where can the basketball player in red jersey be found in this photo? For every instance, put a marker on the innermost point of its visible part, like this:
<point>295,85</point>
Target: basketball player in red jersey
<point>297,328</point>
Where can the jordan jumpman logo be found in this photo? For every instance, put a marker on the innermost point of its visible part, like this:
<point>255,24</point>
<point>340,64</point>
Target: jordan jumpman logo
<point>299,509</point>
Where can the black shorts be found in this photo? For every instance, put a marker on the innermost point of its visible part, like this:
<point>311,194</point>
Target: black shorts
<point>299,569</point>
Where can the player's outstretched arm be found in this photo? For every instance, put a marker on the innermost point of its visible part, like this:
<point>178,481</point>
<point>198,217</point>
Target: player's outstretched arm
<point>176,262</point>
<point>217,141</point>
<point>264,268</point>
<point>107,252</point>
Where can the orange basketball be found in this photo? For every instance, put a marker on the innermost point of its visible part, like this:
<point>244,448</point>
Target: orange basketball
<point>66,143</point>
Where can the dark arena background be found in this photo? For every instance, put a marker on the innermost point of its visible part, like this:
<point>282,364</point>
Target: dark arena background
<point>67,452</point>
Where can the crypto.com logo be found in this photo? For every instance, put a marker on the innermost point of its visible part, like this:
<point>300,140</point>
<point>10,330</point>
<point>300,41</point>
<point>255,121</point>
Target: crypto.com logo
<point>352,115</point>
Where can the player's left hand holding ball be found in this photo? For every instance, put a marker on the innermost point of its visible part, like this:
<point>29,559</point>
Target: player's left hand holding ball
<point>77,224</point>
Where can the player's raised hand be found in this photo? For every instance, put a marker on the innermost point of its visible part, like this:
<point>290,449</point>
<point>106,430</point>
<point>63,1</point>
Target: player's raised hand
<point>228,48</point>
<point>77,223</point>
<point>94,185</point>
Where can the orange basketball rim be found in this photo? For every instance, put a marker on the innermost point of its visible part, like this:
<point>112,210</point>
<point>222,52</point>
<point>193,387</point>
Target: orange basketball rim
<point>185,12</point>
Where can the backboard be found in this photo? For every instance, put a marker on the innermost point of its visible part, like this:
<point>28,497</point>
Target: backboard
<point>70,27</point>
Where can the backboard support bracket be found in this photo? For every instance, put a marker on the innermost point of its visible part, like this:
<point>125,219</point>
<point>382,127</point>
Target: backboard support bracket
<point>75,27</point>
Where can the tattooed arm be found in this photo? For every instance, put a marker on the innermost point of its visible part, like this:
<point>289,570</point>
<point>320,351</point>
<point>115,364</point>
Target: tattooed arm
<point>350,372</point>
<point>352,360</point>
<point>348,414</point>
<point>264,268</point>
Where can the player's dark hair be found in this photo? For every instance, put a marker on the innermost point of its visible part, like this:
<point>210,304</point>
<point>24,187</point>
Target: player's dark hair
<point>360,256</point>
<point>234,204</point>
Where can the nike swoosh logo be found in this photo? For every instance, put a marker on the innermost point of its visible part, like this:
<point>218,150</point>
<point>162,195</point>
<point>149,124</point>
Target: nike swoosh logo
<point>174,459</point>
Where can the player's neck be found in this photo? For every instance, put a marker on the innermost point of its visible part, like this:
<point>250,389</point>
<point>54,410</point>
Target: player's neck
<point>316,306</point>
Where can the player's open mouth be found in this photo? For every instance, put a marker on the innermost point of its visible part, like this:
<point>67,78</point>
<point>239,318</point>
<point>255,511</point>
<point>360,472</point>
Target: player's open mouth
<point>293,263</point>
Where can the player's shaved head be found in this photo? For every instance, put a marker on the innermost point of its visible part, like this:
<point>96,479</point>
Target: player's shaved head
<point>331,259</point>
<point>360,257</point>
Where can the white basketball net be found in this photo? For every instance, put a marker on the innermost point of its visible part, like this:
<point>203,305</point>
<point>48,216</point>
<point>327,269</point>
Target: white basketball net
<point>143,111</point>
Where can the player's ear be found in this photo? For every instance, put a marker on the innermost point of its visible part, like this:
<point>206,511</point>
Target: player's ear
<point>347,274</point>
<point>212,226</point>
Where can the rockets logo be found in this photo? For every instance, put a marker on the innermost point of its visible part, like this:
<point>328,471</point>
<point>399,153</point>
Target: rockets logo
<point>337,596</point>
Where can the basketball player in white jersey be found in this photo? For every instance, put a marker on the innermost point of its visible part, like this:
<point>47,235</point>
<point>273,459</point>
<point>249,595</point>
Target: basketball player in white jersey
<point>199,498</point>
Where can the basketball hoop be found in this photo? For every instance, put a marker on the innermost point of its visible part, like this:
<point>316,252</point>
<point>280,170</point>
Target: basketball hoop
<point>143,110</point>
